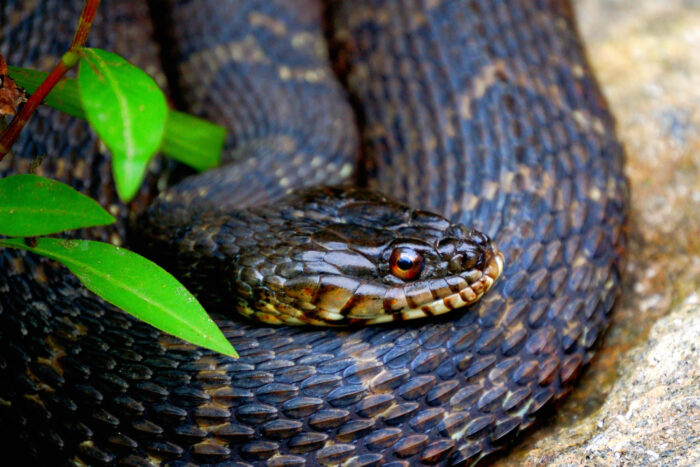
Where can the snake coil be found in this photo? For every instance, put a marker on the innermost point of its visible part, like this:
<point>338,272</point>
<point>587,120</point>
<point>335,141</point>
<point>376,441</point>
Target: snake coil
<point>485,112</point>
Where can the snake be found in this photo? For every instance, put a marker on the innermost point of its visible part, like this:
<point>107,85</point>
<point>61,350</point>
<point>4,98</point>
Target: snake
<point>385,160</point>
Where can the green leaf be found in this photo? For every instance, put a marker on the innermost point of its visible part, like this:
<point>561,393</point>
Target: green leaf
<point>187,139</point>
<point>134,284</point>
<point>127,110</point>
<point>65,96</point>
<point>31,205</point>
<point>193,141</point>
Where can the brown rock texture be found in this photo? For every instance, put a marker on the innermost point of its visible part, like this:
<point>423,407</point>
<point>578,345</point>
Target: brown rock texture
<point>652,414</point>
<point>639,402</point>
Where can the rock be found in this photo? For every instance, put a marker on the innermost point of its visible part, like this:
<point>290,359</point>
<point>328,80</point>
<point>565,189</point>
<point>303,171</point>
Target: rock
<point>652,414</point>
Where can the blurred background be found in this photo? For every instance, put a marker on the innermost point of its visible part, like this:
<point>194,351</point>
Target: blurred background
<point>639,402</point>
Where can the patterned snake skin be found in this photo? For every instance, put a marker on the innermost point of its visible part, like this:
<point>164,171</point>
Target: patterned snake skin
<point>484,111</point>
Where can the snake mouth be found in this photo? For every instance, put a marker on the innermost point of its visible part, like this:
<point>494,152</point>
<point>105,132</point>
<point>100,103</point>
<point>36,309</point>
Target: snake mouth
<point>467,295</point>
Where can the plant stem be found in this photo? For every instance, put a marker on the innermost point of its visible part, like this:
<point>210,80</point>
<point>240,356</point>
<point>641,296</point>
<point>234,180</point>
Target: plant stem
<point>68,61</point>
<point>87,16</point>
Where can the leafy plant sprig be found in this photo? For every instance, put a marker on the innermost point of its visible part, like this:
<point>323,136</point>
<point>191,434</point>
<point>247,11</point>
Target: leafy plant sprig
<point>129,113</point>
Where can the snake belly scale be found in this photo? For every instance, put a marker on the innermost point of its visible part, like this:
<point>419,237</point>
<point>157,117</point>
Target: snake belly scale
<point>484,112</point>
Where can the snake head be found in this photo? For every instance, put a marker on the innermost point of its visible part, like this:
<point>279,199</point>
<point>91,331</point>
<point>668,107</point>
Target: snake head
<point>350,256</point>
<point>329,256</point>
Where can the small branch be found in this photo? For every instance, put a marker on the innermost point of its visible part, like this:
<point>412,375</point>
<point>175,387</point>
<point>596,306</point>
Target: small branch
<point>68,61</point>
<point>87,16</point>
<point>15,127</point>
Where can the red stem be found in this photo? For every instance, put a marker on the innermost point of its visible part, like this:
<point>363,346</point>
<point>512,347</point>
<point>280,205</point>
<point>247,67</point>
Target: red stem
<point>87,16</point>
<point>11,133</point>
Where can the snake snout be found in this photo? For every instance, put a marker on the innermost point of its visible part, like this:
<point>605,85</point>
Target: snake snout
<point>473,255</point>
<point>468,250</point>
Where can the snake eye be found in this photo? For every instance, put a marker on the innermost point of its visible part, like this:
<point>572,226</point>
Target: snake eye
<point>405,263</point>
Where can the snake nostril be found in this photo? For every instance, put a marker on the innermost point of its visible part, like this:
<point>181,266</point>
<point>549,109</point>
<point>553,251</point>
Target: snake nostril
<point>472,255</point>
<point>455,264</point>
<point>470,261</point>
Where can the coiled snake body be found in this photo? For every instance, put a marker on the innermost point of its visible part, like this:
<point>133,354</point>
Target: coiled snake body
<point>485,112</point>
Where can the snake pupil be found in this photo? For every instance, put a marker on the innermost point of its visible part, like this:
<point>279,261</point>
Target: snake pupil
<point>404,263</point>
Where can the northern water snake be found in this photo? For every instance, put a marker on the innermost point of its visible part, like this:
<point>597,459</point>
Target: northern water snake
<point>483,111</point>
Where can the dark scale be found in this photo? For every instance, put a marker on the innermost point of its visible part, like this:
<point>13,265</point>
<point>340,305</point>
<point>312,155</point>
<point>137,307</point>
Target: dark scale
<point>477,114</point>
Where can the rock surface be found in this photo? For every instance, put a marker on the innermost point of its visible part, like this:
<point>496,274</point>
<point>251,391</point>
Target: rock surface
<point>639,402</point>
<point>652,415</point>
